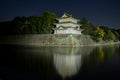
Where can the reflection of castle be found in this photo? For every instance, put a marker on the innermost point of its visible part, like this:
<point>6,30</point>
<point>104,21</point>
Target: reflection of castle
<point>68,61</point>
<point>67,65</point>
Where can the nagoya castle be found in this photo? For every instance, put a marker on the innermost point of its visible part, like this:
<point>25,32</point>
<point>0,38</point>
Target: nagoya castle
<point>67,25</point>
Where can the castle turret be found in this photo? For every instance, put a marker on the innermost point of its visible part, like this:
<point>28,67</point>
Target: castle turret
<point>67,25</point>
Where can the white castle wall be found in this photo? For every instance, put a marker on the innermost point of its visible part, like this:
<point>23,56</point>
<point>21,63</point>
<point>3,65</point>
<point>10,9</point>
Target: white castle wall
<point>68,31</point>
<point>68,20</point>
<point>67,25</point>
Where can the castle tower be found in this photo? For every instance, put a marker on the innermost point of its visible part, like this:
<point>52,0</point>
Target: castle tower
<point>67,25</point>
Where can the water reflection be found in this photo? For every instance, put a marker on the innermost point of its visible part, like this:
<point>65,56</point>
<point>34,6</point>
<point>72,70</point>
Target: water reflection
<point>68,61</point>
<point>47,63</point>
<point>100,54</point>
<point>67,65</point>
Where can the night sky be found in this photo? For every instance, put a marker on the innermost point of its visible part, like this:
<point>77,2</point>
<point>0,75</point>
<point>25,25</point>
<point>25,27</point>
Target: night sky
<point>99,12</point>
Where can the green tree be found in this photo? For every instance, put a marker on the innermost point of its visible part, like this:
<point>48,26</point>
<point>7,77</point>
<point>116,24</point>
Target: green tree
<point>113,36</point>
<point>32,24</point>
<point>86,26</point>
<point>17,24</point>
<point>108,34</point>
<point>35,24</point>
<point>116,34</point>
<point>48,19</point>
<point>98,33</point>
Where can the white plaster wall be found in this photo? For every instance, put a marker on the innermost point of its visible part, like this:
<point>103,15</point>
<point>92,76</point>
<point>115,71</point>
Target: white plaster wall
<point>67,20</point>
<point>68,31</point>
<point>67,25</point>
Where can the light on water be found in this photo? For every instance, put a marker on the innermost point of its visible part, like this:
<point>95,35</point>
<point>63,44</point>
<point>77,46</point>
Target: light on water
<point>67,64</point>
<point>47,63</point>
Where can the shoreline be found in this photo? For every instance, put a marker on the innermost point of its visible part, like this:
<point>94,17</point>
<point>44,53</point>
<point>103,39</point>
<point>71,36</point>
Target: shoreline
<point>95,45</point>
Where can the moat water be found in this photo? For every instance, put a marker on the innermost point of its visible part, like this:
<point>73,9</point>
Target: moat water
<point>50,63</point>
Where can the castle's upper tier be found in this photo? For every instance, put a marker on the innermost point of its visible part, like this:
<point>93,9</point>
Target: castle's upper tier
<point>67,18</point>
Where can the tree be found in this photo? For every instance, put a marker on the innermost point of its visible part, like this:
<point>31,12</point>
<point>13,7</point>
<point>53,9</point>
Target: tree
<point>34,24</point>
<point>86,26</point>
<point>17,24</point>
<point>116,34</point>
<point>108,33</point>
<point>84,21</point>
<point>48,19</point>
<point>113,36</point>
<point>98,33</point>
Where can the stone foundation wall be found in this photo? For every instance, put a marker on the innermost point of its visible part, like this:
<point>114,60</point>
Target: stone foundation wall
<point>59,40</point>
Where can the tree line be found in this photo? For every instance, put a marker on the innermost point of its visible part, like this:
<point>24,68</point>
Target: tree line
<point>43,25</point>
<point>99,32</point>
<point>29,25</point>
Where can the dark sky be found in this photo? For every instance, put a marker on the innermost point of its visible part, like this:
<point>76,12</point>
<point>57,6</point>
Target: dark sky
<point>99,12</point>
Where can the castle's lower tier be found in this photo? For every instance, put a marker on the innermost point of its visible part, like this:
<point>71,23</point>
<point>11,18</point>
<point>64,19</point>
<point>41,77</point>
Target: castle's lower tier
<point>68,31</point>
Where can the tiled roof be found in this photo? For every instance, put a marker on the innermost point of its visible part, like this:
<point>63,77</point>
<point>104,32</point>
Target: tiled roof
<point>65,15</point>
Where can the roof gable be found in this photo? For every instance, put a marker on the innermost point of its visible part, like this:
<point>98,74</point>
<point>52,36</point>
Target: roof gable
<point>65,15</point>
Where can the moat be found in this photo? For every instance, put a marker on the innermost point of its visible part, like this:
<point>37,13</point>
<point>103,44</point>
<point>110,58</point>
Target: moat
<point>51,63</point>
